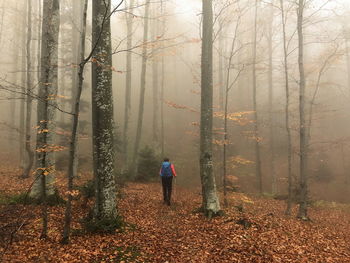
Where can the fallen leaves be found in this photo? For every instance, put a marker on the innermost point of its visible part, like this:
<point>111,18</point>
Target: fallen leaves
<point>158,233</point>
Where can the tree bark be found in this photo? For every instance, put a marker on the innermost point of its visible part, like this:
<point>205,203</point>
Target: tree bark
<point>302,213</point>
<point>162,84</point>
<point>128,80</point>
<point>211,205</point>
<point>72,166</point>
<point>271,95</point>
<point>256,126</point>
<point>29,86</point>
<point>46,108</point>
<point>155,76</point>
<point>21,125</point>
<point>142,92</point>
<point>288,131</point>
<point>102,113</point>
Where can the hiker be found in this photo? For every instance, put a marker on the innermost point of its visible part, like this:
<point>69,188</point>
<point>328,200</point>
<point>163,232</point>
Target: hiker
<point>167,171</point>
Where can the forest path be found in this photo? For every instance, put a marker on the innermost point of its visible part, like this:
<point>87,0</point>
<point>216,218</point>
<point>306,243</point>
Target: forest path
<point>158,233</point>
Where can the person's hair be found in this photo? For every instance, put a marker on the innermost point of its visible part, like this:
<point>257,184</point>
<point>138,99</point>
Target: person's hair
<point>166,159</point>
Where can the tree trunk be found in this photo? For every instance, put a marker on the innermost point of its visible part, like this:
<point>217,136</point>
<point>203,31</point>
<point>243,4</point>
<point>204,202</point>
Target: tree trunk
<point>302,213</point>
<point>270,84</point>
<point>211,203</point>
<point>289,138</point>
<point>72,166</point>
<point>102,113</point>
<point>128,80</point>
<point>28,130</point>
<point>142,92</point>
<point>155,76</point>
<point>256,126</point>
<point>221,68</point>
<point>162,139</point>
<point>21,125</point>
<point>47,103</point>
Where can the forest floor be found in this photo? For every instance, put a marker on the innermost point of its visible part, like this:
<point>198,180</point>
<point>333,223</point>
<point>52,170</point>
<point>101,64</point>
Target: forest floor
<point>158,233</point>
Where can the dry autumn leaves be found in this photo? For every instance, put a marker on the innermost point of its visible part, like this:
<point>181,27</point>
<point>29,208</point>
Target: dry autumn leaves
<point>252,230</point>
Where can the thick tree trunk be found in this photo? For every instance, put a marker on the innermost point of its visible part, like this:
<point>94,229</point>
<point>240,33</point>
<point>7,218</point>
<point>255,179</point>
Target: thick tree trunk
<point>46,108</point>
<point>302,213</point>
<point>142,92</point>
<point>288,131</point>
<point>73,159</point>
<point>211,203</point>
<point>102,113</point>
<point>28,130</point>
<point>256,126</point>
<point>128,80</point>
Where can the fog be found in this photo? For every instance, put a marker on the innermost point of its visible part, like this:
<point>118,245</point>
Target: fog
<point>173,84</point>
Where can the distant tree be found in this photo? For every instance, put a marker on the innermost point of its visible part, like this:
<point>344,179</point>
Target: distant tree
<point>128,79</point>
<point>258,171</point>
<point>271,97</point>
<point>133,169</point>
<point>211,204</point>
<point>148,165</point>
<point>288,131</point>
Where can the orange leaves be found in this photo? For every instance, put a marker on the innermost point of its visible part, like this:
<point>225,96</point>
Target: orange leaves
<point>178,106</point>
<point>239,117</point>
<point>238,160</point>
<point>51,148</point>
<point>258,232</point>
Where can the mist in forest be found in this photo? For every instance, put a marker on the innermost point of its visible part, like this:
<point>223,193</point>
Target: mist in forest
<point>249,68</point>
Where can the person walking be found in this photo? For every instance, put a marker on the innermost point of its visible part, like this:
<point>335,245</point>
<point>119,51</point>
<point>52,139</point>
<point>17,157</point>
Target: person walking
<point>167,172</point>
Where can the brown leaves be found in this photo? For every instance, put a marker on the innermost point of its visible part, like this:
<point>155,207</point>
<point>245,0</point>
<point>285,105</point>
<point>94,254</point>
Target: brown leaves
<point>158,233</point>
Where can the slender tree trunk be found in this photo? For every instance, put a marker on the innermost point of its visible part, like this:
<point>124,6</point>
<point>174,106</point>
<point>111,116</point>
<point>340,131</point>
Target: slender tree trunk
<point>15,69</point>
<point>72,166</point>
<point>2,20</point>
<point>162,135</point>
<point>39,40</point>
<point>302,213</point>
<point>46,108</point>
<point>142,92</point>
<point>221,69</point>
<point>128,80</point>
<point>271,119</point>
<point>21,134</point>
<point>256,126</point>
<point>211,203</point>
<point>28,130</point>
<point>102,113</point>
<point>155,76</point>
<point>289,137</point>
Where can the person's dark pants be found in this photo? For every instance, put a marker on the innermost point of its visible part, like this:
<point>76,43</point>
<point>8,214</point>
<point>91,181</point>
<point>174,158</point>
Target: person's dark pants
<point>167,183</point>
